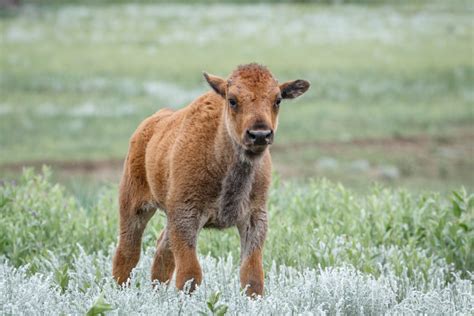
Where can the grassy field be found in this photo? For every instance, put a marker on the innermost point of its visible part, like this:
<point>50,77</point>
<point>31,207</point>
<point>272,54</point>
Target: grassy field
<point>391,102</point>
<point>76,81</point>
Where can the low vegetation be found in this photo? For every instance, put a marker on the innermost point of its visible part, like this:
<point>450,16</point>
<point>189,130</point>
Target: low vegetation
<point>328,250</point>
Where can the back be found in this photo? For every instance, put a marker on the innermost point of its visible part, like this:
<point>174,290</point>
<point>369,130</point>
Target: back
<point>182,146</point>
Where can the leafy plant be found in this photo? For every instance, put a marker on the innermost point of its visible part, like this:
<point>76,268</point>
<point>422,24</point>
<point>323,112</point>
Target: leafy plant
<point>100,307</point>
<point>216,309</point>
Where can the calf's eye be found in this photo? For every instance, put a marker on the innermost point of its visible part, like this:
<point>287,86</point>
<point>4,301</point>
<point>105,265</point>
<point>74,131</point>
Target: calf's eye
<point>277,102</point>
<point>233,103</point>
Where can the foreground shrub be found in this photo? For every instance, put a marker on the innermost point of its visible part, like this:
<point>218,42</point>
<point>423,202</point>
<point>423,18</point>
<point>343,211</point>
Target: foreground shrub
<point>312,224</point>
<point>327,224</point>
<point>342,290</point>
<point>329,251</point>
<point>37,217</point>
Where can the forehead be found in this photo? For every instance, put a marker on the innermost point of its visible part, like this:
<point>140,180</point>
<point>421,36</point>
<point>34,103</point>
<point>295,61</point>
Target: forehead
<point>252,79</point>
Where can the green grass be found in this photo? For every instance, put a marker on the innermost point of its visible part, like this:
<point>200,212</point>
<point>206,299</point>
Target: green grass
<point>77,80</point>
<point>311,224</point>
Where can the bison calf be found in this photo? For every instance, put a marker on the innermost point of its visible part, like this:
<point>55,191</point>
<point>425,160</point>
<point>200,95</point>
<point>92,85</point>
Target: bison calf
<point>206,166</point>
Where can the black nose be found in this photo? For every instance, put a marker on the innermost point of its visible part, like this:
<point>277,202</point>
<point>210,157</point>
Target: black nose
<point>260,137</point>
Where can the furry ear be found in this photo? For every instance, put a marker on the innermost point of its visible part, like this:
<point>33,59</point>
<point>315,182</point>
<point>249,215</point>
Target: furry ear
<point>217,83</point>
<point>293,89</point>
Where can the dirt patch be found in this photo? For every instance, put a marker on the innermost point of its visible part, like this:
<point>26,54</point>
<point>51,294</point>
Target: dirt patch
<point>393,142</point>
<point>108,169</point>
<point>424,151</point>
<point>447,158</point>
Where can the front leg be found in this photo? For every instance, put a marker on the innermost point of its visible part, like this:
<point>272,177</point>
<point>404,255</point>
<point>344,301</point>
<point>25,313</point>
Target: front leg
<point>252,236</point>
<point>183,229</point>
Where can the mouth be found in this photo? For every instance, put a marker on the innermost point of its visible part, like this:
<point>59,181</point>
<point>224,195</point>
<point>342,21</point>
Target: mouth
<point>254,150</point>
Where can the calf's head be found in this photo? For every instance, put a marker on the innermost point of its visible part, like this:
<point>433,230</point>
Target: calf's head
<point>252,100</point>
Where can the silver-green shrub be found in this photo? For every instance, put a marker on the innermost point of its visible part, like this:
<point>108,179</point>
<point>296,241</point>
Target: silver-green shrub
<point>332,291</point>
<point>328,250</point>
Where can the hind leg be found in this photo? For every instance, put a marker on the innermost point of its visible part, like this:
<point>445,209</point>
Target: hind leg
<point>134,215</point>
<point>163,263</point>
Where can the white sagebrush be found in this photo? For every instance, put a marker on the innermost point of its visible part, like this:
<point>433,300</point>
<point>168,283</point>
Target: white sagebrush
<point>332,291</point>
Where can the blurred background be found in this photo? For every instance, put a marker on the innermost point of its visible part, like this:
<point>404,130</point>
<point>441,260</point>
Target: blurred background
<point>391,98</point>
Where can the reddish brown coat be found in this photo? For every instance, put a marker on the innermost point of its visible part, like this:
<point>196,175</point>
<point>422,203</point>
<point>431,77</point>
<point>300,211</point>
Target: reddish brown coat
<point>206,165</point>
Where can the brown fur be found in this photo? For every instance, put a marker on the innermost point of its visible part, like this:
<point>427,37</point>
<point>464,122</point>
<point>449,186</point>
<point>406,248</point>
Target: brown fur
<point>203,166</point>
